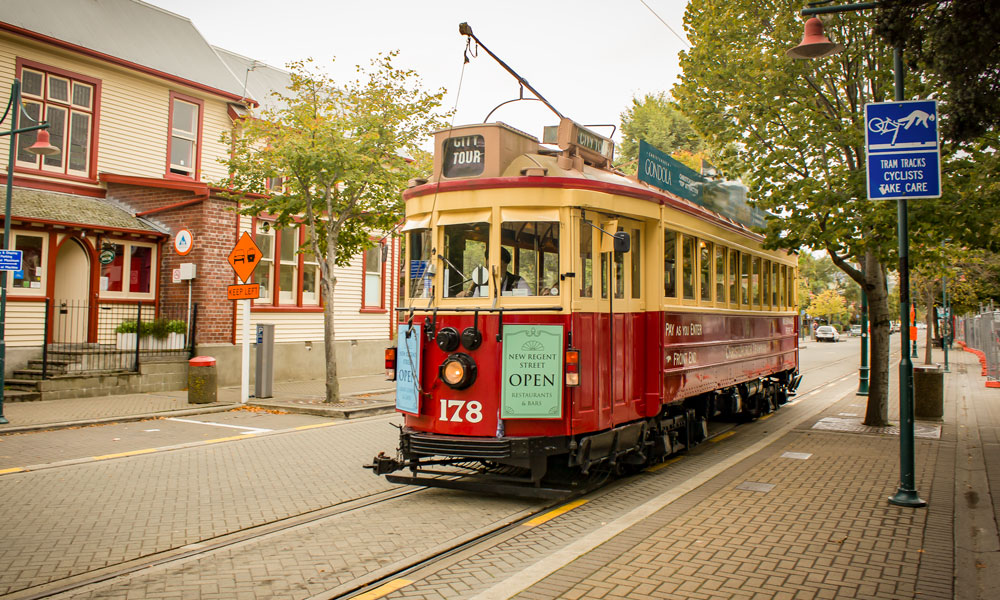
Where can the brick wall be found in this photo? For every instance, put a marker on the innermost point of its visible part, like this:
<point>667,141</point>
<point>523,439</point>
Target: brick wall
<point>212,223</point>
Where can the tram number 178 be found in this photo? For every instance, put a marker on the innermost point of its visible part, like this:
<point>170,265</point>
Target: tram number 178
<point>473,411</point>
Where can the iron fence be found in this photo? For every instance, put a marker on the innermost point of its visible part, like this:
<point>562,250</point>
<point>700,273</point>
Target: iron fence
<point>81,337</point>
<point>982,332</point>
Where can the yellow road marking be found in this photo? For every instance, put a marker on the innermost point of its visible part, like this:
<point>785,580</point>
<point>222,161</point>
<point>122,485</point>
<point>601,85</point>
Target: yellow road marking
<point>663,465</point>
<point>384,590</point>
<point>228,439</point>
<point>313,426</point>
<point>11,470</point>
<point>122,454</point>
<point>554,513</point>
<point>763,417</point>
<point>722,436</point>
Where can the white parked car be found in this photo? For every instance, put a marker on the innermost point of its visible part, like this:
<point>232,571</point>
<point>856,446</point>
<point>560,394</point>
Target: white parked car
<point>827,333</point>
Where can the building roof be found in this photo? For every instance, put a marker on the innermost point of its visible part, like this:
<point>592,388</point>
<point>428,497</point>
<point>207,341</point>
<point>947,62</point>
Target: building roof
<point>131,31</point>
<point>259,79</point>
<point>94,213</point>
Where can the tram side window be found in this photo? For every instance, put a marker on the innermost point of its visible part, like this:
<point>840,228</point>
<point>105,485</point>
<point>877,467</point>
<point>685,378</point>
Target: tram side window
<point>755,283</point>
<point>586,274</point>
<point>705,263</point>
<point>774,285</point>
<point>720,273</point>
<point>669,264</point>
<point>791,287</point>
<point>734,276</point>
<point>636,254</point>
<point>780,291</point>
<point>418,245</point>
<point>534,249</point>
<point>620,272</point>
<point>745,279</point>
<point>687,266</point>
<point>465,247</point>
<point>765,274</point>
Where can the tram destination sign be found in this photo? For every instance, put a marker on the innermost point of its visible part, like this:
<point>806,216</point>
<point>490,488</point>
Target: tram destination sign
<point>903,150</point>
<point>408,368</point>
<point>532,372</point>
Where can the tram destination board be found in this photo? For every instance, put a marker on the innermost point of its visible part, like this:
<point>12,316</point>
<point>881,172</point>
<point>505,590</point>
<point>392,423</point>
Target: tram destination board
<point>903,151</point>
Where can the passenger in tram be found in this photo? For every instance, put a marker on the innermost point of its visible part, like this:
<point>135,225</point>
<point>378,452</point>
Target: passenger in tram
<point>511,284</point>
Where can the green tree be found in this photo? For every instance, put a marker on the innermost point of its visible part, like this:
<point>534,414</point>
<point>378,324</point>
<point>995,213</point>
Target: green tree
<point>657,121</point>
<point>829,304</point>
<point>799,125</point>
<point>340,149</point>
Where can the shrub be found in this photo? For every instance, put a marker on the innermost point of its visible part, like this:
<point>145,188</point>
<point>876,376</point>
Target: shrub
<point>158,328</point>
<point>126,327</point>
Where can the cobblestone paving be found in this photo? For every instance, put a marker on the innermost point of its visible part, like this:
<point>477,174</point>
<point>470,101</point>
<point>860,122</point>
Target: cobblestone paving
<point>89,516</point>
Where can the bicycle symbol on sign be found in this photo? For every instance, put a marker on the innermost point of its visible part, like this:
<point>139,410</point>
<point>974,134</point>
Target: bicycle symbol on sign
<point>884,126</point>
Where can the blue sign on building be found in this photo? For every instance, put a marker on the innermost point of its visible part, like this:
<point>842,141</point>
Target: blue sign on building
<point>904,155</point>
<point>10,260</point>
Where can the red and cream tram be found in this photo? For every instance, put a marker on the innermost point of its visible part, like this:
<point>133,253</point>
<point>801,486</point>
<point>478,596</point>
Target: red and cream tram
<point>561,317</point>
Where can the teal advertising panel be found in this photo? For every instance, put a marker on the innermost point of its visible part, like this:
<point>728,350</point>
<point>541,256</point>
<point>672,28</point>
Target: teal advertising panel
<point>728,198</point>
<point>408,369</point>
<point>532,372</point>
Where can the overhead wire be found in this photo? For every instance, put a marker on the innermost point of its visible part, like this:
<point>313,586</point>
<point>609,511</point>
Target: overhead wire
<point>665,24</point>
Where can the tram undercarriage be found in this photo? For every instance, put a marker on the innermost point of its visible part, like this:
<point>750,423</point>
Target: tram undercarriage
<point>552,467</point>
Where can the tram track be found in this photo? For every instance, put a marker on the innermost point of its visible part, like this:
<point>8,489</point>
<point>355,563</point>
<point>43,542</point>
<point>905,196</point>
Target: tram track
<point>443,556</point>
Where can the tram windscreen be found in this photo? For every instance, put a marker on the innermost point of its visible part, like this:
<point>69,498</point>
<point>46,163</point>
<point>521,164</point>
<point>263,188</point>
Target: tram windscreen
<point>533,248</point>
<point>418,247</point>
<point>465,251</point>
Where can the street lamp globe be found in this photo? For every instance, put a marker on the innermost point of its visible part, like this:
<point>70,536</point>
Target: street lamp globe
<point>42,145</point>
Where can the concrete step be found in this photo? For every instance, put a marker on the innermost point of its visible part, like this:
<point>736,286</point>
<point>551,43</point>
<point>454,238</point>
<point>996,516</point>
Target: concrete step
<point>11,395</point>
<point>28,385</point>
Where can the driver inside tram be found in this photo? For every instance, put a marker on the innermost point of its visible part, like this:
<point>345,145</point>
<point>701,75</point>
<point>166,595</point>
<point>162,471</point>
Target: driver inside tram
<point>508,283</point>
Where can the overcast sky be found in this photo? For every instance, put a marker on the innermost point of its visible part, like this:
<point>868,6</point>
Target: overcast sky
<point>589,58</point>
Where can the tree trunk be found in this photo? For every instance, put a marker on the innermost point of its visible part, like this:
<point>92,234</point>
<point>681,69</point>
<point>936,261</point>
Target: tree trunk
<point>877,411</point>
<point>329,337</point>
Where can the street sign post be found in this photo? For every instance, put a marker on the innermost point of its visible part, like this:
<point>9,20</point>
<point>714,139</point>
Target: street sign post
<point>183,242</point>
<point>244,258</point>
<point>904,154</point>
<point>244,291</point>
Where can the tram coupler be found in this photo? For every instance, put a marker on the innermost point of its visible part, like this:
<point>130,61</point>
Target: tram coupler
<point>382,464</point>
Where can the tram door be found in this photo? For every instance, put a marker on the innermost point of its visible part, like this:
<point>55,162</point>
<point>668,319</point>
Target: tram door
<point>608,306</point>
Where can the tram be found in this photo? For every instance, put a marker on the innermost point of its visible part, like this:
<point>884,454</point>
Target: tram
<point>560,318</point>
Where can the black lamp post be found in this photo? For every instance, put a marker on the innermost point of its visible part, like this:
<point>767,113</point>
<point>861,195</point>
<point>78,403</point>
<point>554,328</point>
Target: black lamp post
<point>43,147</point>
<point>815,45</point>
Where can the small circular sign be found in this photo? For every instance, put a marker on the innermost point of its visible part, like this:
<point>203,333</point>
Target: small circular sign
<point>183,242</point>
<point>106,257</point>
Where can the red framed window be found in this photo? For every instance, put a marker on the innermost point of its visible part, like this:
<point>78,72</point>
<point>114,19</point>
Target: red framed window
<point>373,281</point>
<point>70,102</point>
<point>184,136</point>
<point>288,273</point>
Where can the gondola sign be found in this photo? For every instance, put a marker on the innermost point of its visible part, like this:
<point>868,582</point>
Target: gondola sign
<point>532,372</point>
<point>904,155</point>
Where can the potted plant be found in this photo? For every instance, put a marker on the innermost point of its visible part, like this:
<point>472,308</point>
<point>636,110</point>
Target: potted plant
<point>159,334</point>
<point>126,335</point>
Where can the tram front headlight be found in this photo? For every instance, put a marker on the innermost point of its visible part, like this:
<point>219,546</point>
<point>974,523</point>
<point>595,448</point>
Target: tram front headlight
<point>458,371</point>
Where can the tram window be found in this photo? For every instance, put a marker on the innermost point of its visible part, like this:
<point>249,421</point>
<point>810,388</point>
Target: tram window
<point>604,274</point>
<point>720,273</point>
<point>792,287</point>
<point>705,267</point>
<point>734,276</point>
<point>765,278</point>
<point>687,266</point>
<point>465,247</point>
<point>534,248</point>
<point>745,279</point>
<point>669,264</point>
<point>620,272</point>
<point>774,285</point>
<point>636,254</point>
<point>418,245</point>
<point>781,284</point>
<point>755,283</point>
<point>586,274</point>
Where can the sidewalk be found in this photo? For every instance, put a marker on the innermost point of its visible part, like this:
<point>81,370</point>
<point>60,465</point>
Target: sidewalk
<point>808,516</point>
<point>360,396</point>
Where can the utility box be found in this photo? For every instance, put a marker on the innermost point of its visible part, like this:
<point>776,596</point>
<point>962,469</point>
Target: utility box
<point>263,385</point>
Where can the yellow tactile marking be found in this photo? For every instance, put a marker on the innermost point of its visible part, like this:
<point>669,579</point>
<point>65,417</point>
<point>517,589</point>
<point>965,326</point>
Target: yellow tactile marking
<point>384,589</point>
<point>228,439</point>
<point>722,436</point>
<point>554,513</point>
<point>764,417</point>
<point>123,454</point>
<point>11,470</point>
<point>663,465</point>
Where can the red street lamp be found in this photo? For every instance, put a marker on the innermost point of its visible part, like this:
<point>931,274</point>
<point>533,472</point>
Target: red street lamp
<point>814,43</point>
<point>43,147</point>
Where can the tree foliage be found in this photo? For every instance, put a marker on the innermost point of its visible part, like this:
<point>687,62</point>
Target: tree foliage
<point>656,120</point>
<point>953,43</point>
<point>829,304</point>
<point>341,150</point>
